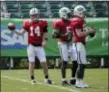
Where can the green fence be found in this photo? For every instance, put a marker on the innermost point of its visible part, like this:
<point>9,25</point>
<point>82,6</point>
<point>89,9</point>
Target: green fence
<point>13,45</point>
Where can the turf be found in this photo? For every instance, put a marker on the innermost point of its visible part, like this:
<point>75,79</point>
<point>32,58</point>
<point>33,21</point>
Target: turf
<point>18,81</point>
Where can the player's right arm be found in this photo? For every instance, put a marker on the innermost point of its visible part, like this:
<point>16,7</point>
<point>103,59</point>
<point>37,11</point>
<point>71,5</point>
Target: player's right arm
<point>19,32</point>
<point>81,32</point>
<point>25,28</point>
<point>56,31</point>
<point>12,28</point>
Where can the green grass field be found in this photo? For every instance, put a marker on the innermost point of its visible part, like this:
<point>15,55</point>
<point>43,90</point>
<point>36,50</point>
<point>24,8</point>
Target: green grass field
<point>18,81</point>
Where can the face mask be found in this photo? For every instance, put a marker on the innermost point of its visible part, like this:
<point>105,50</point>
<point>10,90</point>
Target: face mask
<point>34,17</point>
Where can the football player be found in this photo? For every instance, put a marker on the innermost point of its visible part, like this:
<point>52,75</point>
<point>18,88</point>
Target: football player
<point>37,40</point>
<point>62,32</point>
<point>80,33</point>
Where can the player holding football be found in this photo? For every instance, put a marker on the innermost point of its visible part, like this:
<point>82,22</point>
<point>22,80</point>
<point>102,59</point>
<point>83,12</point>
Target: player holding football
<point>80,34</point>
<point>37,40</point>
<point>62,31</point>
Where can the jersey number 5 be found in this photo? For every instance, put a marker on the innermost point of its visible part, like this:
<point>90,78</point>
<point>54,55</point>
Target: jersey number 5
<point>35,31</point>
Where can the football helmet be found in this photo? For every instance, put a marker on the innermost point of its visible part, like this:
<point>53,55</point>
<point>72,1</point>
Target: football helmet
<point>34,14</point>
<point>65,13</point>
<point>79,10</point>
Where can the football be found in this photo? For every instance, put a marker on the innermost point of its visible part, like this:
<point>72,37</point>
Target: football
<point>92,34</point>
<point>11,26</point>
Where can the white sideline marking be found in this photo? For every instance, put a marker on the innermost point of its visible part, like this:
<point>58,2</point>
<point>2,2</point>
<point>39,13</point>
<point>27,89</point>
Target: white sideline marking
<point>24,88</point>
<point>54,86</point>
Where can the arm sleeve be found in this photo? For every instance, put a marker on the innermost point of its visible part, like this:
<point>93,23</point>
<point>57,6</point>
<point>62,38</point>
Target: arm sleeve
<point>77,25</point>
<point>56,31</point>
<point>45,23</point>
<point>55,25</point>
<point>45,30</point>
<point>26,25</point>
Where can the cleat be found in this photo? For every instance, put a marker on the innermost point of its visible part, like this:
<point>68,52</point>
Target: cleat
<point>33,82</point>
<point>81,85</point>
<point>86,86</point>
<point>73,81</point>
<point>47,81</point>
<point>65,83</point>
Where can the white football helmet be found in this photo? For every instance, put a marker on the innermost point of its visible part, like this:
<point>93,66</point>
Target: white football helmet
<point>64,13</point>
<point>34,14</point>
<point>79,10</point>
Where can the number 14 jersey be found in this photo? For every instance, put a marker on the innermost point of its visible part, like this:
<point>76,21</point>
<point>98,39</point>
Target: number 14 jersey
<point>35,30</point>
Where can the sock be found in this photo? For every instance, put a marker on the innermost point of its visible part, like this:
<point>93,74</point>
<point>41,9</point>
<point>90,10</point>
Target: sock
<point>46,77</point>
<point>74,68</point>
<point>80,72</point>
<point>63,69</point>
<point>63,79</point>
<point>77,81</point>
<point>81,80</point>
<point>72,78</point>
<point>32,77</point>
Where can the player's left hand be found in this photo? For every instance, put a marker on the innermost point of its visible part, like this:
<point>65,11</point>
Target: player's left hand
<point>44,43</point>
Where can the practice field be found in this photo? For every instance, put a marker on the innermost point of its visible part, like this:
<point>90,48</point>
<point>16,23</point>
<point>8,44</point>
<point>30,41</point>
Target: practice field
<point>18,81</point>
